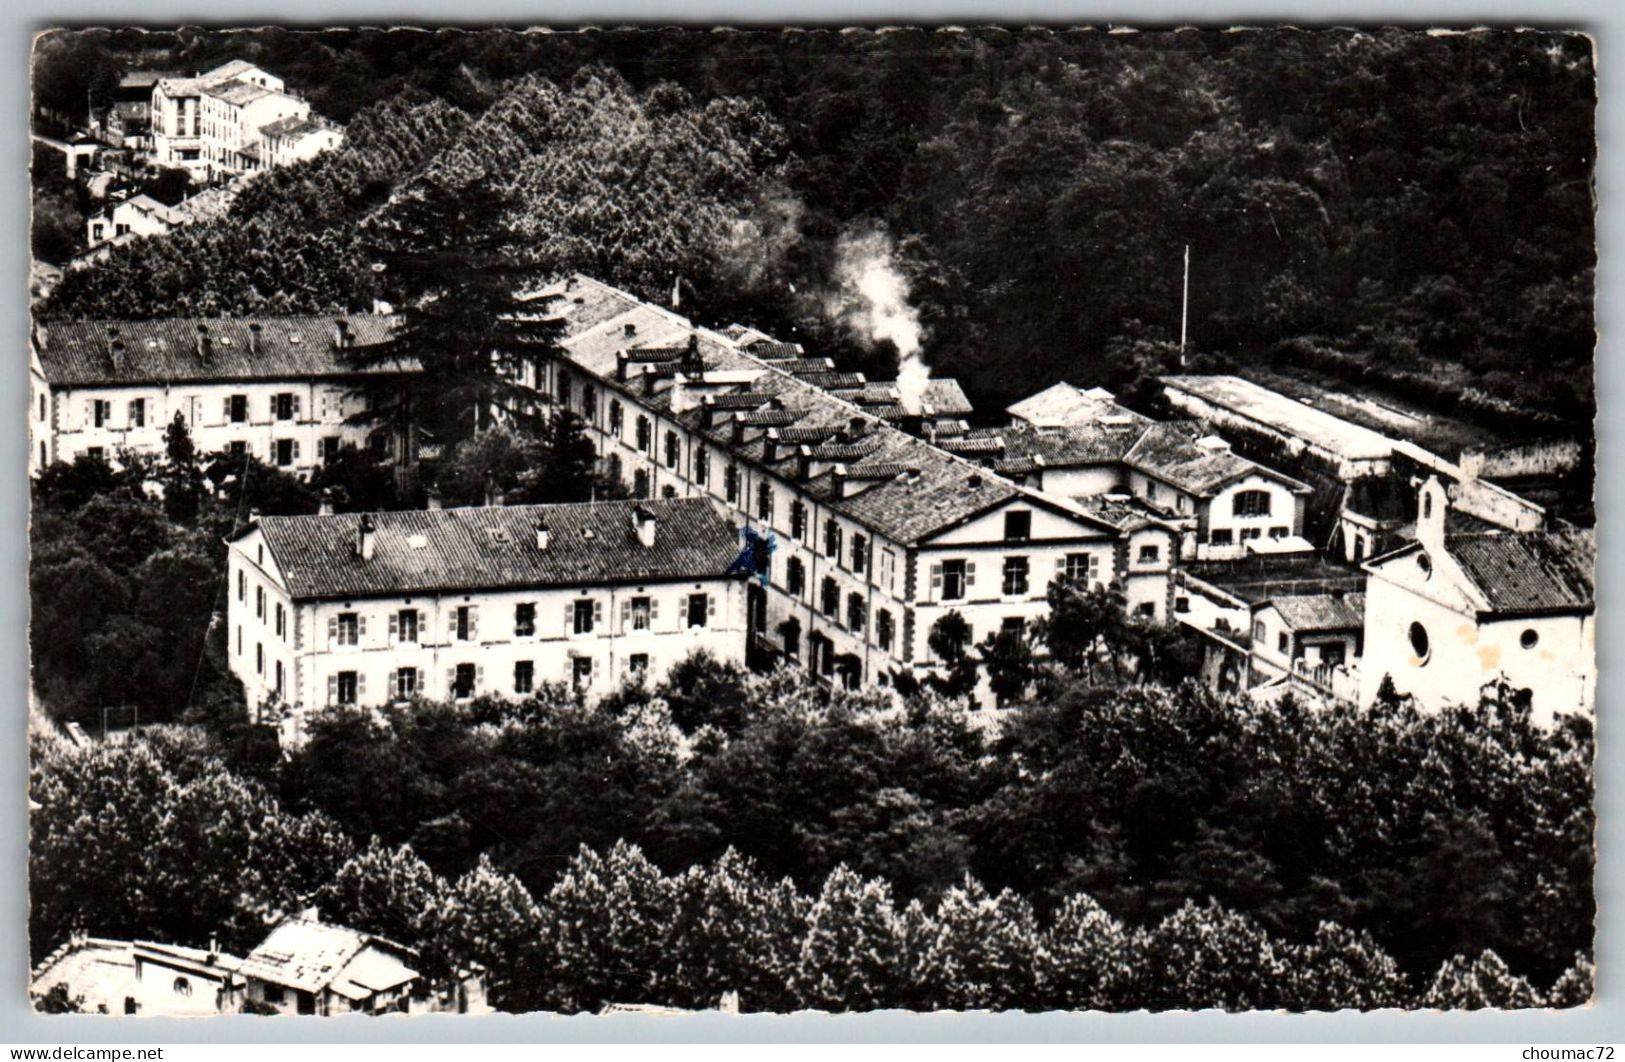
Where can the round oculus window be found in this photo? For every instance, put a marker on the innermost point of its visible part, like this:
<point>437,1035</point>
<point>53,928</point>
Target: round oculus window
<point>1529,638</point>
<point>1419,642</point>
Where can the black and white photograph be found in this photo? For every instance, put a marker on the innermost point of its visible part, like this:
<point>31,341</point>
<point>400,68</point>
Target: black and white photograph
<point>758,520</point>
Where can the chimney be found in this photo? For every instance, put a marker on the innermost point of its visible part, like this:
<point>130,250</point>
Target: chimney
<point>542,535</point>
<point>803,462</point>
<point>651,376</point>
<point>770,447</point>
<point>855,428</point>
<point>254,337</point>
<point>692,362</point>
<point>254,515</point>
<point>205,344</point>
<point>708,405</point>
<point>620,365</point>
<point>643,519</point>
<point>434,499</point>
<point>838,477</point>
<point>116,354</point>
<point>569,283</point>
<point>342,337</point>
<point>493,496</point>
<point>629,330</point>
<point>738,433</point>
<point>325,508</point>
<point>975,481</point>
<point>365,533</point>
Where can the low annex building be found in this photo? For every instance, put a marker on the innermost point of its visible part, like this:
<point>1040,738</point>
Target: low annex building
<point>453,603</point>
<point>1452,611</point>
<point>277,388</point>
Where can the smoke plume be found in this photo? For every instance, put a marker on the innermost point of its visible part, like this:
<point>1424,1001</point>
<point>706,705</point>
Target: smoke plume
<point>872,301</point>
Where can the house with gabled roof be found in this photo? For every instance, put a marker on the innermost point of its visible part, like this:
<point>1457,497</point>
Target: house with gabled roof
<point>452,604</point>
<point>1456,609</point>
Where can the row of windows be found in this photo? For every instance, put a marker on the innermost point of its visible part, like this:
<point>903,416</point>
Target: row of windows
<point>581,616</point>
<point>234,409</point>
<point>464,680</point>
<point>1223,536</point>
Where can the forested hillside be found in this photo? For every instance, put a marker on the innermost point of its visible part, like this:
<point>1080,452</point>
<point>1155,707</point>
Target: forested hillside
<point>1408,201</point>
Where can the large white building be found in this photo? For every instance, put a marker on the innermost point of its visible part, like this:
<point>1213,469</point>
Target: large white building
<point>368,609</point>
<point>277,388</point>
<point>878,533</point>
<point>1452,611</point>
<point>215,123</point>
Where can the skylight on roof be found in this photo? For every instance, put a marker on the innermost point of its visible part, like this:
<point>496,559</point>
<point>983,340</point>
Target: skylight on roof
<point>293,337</point>
<point>418,541</point>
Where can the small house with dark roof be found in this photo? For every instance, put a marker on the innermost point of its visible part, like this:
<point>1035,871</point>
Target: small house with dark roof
<point>367,609</point>
<point>278,388</point>
<point>1453,610</point>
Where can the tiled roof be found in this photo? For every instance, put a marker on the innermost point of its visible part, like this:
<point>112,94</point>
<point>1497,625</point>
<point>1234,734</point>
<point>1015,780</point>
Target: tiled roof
<point>772,349</point>
<point>294,126</point>
<point>1123,511</point>
<point>1070,447</point>
<point>1321,612</point>
<point>803,365</point>
<point>833,379</point>
<point>1533,571</point>
<point>487,548</point>
<point>907,508</point>
<point>80,353</point>
<point>1174,453</point>
<point>946,398</point>
<point>238,93</point>
<point>1063,404</point>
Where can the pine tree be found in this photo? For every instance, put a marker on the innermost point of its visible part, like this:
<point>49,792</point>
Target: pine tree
<point>980,952</point>
<point>607,917</point>
<point>455,274</point>
<point>1342,969</point>
<point>182,477</point>
<point>734,931</point>
<point>494,923</point>
<point>1463,984</point>
<point>567,470</point>
<point>1202,957</point>
<point>1089,961</point>
<point>1576,986</point>
<point>851,958</point>
<point>391,892</point>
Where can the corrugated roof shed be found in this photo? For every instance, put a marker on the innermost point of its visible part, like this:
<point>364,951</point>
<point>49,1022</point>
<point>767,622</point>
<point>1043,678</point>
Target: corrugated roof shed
<point>494,547</point>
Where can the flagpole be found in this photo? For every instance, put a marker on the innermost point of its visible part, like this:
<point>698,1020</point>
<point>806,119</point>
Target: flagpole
<point>1185,307</point>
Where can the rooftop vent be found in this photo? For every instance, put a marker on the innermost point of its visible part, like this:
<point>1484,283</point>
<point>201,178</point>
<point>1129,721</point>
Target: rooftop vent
<point>205,344</point>
<point>643,520</point>
<point>543,536</point>
<point>629,329</point>
<point>974,482</point>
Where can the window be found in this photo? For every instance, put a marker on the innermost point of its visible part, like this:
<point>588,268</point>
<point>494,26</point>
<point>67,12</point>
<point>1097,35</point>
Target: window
<point>888,569</point>
<point>182,987</point>
<point>349,687</point>
<point>1015,576</point>
<point>281,620</point>
<point>95,453</point>
<point>1251,503</point>
<point>287,451</point>
<point>832,538</point>
<point>524,619</point>
<point>1182,604</point>
<point>259,602</point>
<point>464,678</point>
<point>829,597</point>
<point>1278,532</point>
<point>638,664</point>
<point>330,448</point>
<point>100,412</point>
<point>465,623</point>
<point>242,586</point>
<point>798,520</point>
<point>346,629</point>
<point>644,432</point>
<point>884,629</point>
<point>639,614</point>
<point>138,412</point>
<point>951,579</point>
<point>237,408</point>
<point>589,403</point>
<point>406,683</point>
<point>1220,537</point>
<point>1082,569</point>
<point>702,466</point>
<point>1420,645</point>
<point>564,391</point>
<point>640,483</point>
<point>273,994</point>
<point>764,501</point>
<point>405,625</point>
<point>581,672</point>
<point>860,553</point>
<point>730,483</point>
<point>1147,609</point>
<point>673,449</point>
<point>617,418</point>
<point>259,658</point>
<point>795,576</point>
<point>699,610</point>
<point>1529,638</point>
<point>856,614</point>
<point>1281,642</point>
<point>1150,554</point>
<point>285,406</point>
<point>1249,534</point>
<point>524,676</point>
<point>583,613</point>
<point>668,492</point>
<point>1258,630</point>
<point>1018,526</point>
